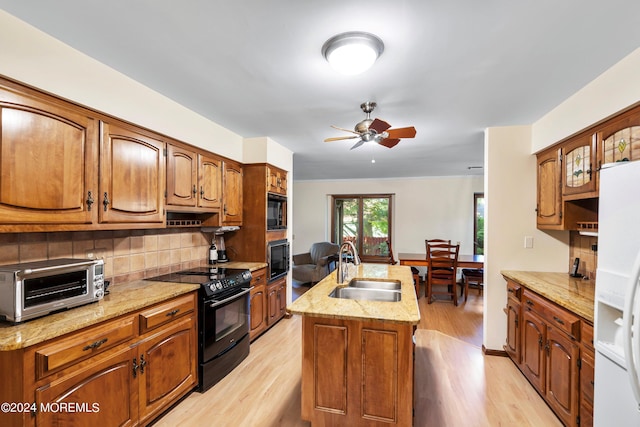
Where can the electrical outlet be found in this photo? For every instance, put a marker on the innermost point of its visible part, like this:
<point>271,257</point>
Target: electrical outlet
<point>528,242</point>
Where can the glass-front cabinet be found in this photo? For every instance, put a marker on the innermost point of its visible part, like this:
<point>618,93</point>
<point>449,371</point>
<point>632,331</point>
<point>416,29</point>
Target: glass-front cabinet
<point>578,160</point>
<point>620,140</point>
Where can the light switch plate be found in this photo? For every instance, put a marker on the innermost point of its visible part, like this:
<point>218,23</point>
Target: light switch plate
<point>528,242</point>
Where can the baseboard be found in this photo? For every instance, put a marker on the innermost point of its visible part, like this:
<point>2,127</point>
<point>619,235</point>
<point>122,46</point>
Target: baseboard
<point>488,352</point>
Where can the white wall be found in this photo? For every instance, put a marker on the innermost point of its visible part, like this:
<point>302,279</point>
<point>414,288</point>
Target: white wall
<point>510,202</point>
<point>614,90</point>
<point>424,208</point>
<point>37,59</point>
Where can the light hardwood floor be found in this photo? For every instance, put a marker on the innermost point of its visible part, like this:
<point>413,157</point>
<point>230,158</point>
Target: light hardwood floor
<point>456,385</point>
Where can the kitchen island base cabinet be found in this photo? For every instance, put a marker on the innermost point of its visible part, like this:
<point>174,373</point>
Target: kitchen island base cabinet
<point>357,373</point>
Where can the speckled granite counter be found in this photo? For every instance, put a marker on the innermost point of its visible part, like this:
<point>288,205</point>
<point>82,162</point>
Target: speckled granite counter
<point>252,266</point>
<point>316,302</point>
<point>576,295</point>
<point>123,298</point>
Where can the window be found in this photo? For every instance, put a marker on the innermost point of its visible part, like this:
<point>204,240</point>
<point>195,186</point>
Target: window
<point>364,220</point>
<point>478,224</point>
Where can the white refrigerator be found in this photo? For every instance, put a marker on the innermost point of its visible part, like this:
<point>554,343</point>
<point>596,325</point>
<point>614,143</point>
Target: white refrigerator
<point>617,306</point>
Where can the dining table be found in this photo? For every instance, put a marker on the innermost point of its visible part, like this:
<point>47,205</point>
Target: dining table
<point>420,260</point>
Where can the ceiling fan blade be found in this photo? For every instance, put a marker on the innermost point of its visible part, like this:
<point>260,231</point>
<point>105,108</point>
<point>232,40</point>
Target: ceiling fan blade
<point>379,125</point>
<point>357,144</point>
<point>389,142</point>
<point>409,132</point>
<point>346,130</point>
<point>340,138</point>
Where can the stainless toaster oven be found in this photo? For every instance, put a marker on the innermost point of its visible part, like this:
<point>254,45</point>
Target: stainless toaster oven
<point>34,289</point>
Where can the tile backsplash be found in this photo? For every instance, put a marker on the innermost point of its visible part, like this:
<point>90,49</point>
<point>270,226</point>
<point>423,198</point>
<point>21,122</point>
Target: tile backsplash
<point>582,247</point>
<point>128,254</point>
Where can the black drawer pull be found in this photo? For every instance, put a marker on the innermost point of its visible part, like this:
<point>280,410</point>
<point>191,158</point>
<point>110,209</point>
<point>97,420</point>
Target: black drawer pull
<point>510,290</point>
<point>172,312</point>
<point>95,344</point>
<point>558,320</point>
<point>529,302</point>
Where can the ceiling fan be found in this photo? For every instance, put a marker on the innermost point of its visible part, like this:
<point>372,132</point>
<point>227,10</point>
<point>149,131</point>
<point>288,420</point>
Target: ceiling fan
<point>375,130</point>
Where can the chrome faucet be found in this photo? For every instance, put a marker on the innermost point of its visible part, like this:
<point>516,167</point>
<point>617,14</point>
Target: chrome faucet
<point>342,273</point>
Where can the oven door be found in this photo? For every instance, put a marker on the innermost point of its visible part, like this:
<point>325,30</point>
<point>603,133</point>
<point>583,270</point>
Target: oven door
<point>224,323</point>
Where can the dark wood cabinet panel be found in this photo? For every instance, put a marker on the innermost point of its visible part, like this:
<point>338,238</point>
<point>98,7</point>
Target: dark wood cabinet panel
<point>48,158</point>
<point>562,375</point>
<point>209,182</point>
<point>131,176</point>
<point>533,342</point>
<point>549,201</point>
<point>232,193</point>
<point>182,176</point>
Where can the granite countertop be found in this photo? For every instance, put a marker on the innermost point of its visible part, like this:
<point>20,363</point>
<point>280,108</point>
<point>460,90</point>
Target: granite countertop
<point>122,299</point>
<point>576,295</point>
<point>252,266</point>
<point>316,302</point>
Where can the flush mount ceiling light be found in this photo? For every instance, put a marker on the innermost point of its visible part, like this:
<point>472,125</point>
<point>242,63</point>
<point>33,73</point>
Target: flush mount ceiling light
<point>353,52</point>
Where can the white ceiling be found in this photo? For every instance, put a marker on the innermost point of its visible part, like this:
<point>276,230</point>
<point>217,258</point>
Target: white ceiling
<point>450,68</point>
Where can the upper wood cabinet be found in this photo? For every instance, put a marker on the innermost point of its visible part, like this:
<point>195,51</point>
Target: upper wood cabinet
<point>232,192</point>
<point>548,207</point>
<point>193,179</point>
<point>132,176</point>
<point>276,180</point>
<point>48,158</point>
<point>579,166</point>
<point>619,140</point>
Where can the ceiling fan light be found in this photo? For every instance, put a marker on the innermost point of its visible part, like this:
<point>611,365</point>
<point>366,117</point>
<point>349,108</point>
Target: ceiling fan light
<point>353,52</point>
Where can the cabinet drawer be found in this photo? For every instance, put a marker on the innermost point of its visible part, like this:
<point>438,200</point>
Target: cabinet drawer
<point>259,277</point>
<point>586,335</point>
<point>556,316</point>
<point>79,346</point>
<point>514,290</point>
<point>166,312</point>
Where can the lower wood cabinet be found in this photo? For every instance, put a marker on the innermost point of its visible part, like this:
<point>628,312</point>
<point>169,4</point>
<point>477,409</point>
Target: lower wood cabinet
<point>258,303</point>
<point>276,300</point>
<point>82,379</point>
<point>357,372</point>
<point>544,341</point>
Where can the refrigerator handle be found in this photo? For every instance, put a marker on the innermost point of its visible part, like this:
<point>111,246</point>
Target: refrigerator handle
<point>631,345</point>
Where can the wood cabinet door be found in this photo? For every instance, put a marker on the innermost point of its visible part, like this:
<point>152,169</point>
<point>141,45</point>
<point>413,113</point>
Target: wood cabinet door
<point>232,193</point>
<point>533,341</point>
<point>210,182</point>
<point>48,158</point>
<point>579,166</point>
<point>108,383</point>
<point>182,176</point>
<point>619,140</point>
<point>512,346</point>
<point>562,375</point>
<point>549,203</point>
<point>282,298</point>
<point>258,304</point>
<point>167,367</point>
<point>132,176</point>
<point>273,303</point>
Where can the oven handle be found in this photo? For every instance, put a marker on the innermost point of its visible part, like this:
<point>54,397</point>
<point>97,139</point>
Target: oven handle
<point>232,297</point>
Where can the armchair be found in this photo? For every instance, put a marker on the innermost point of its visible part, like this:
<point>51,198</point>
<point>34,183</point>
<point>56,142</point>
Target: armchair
<point>313,266</point>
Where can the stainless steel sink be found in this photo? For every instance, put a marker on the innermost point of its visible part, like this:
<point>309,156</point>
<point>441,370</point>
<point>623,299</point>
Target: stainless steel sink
<point>375,284</point>
<point>366,294</point>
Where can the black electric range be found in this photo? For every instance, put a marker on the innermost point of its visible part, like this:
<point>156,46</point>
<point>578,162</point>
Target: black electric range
<point>214,280</point>
<point>223,319</point>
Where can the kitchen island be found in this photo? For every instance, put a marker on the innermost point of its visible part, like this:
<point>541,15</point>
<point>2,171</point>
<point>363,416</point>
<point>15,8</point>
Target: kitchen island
<point>357,355</point>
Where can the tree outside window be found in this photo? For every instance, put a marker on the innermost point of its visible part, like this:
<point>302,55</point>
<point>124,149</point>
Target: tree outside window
<point>478,225</point>
<point>364,220</point>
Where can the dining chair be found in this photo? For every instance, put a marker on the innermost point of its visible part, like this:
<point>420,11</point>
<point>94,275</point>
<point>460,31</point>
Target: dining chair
<point>442,267</point>
<point>472,275</point>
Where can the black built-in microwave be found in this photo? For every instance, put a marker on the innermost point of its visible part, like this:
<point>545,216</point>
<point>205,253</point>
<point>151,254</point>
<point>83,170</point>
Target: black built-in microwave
<point>278,258</point>
<point>276,212</point>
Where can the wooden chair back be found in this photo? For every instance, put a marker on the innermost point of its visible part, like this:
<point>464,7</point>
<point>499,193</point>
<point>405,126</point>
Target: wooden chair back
<point>442,267</point>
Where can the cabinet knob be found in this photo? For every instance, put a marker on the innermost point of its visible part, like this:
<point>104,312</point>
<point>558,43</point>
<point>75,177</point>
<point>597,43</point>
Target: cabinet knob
<point>90,200</point>
<point>105,202</point>
<point>195,191</point>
